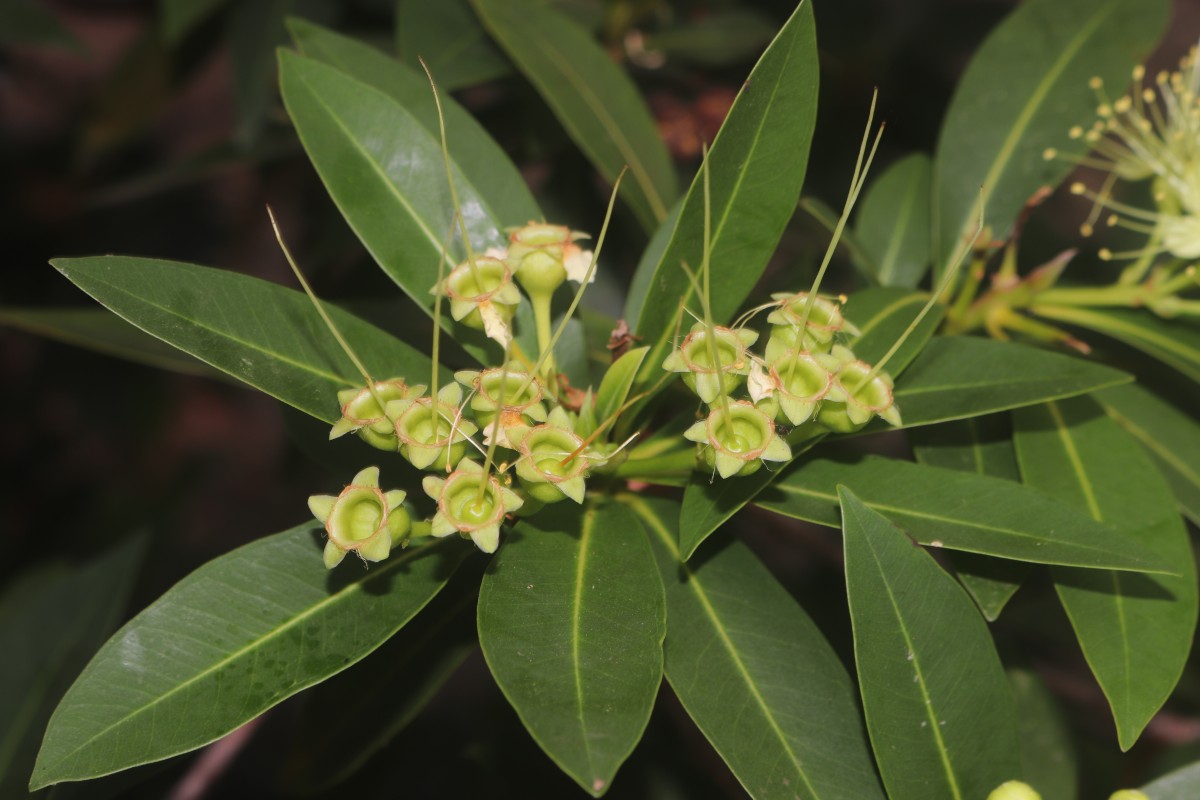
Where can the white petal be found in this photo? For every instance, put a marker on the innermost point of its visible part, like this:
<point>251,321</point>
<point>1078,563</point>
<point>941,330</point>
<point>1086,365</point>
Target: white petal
<point>759,383</point>
<point>577,262</point>
<point>494,325</point>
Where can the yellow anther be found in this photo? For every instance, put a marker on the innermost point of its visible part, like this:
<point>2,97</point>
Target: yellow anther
<point>1049,154</point>
<point>1078,188</point>
<point>1096,82</point>
<point>1105,254</point>
<point>1075,132</point>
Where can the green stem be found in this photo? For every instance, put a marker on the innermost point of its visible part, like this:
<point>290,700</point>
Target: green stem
<point>545,332</point>
<point>1116,295</point>
<point>679,465</point>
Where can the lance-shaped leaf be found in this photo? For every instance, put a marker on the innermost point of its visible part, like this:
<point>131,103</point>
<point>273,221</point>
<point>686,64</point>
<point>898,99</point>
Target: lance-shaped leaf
<point>1176,343</point>
<point>1171,437</point>
<point>882,315</point>
<point>1135,630</point>
<point>1047,757</point>
<point>1022,93</point>
<point>939,709</point>
<point>449,37</point>
<point>571,620</point>
<point>893,225</point>
<point>1181,784</point>
<point>51,622</point>
<point>756,166</point>
<point>384,171</point>
<point>956,377</point>
<point>595,101</point>
<point>267,335</point>
<point>982,445</point>
<point>959,511</point>
<point>237,636</point>
<point>482,162</point>
<point>616,383</point>
<point>755,673</point>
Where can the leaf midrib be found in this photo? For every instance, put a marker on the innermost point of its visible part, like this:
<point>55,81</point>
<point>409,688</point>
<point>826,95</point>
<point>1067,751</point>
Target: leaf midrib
<point>898,230</point>
<point>1108,323</point>
<point>585,537</point>
<point>888,311</point>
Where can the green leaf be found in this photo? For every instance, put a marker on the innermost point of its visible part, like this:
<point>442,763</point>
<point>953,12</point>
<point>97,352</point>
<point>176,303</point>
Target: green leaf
<point>959,511</point>
<point>571,620</point>
<point>1171,437</point>
<point>1175,343</point>
<point>941,715</point>
<point>616,383</point>
<point>1181,784</point>
<point>447,34</point>
<point>754,672</point>
<point>893,226</point>
<point>643,275</point>
<point>51,622</point>
<point>177,18</point>
<point>237,636</point>
<point>756,167</point>
<point>104,332</point>
<point>267,335</point>
<point>982,445</point>
<point>1023,91</point>
<point>483,163</point>
<point>352,716</point>
<point>721,37</point>
<point>253,31</point>
<point>595,100</point>
<point>881,315</point>
<point>1135,630</point>
<point>384,171</point>
<point>1047,757</point>
<point>827,218</point>
<point>957,377</point>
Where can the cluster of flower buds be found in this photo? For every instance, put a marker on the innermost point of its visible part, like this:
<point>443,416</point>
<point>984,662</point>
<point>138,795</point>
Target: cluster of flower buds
<point>806,376</point>
<point>522,423</point>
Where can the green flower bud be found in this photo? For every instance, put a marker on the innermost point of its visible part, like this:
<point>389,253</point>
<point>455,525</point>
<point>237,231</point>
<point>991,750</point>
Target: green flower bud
<point>1128,794</point>
<point>541,469</point>
<point>853,399</point>
<point>739,447</point>
<point>543,256</point>
<point>462,510</point>
<point>825,320</point>
<point>483,297</point>
<point>432,436</point>
<point>794,385</point>
<point>694,359</point>
<point>362,413</point>
<point>362,519</point>
<point>1014,790</point>
<point>490,401</point>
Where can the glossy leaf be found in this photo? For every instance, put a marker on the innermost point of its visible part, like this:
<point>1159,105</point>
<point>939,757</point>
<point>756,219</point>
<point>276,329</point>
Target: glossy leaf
<point>848,243</point>
<point>238,635</point>
<point>616,383</point>
<point>982,445</point>
<point>893,225</point>
<point>267,335</point>
<point>483,163</point>
<point>882,315</point>
<point>941,716</point>
<point>754,672</point>
<point>596,102</point>
<point>51,622</point>
<point>961,376</point>
<point>958,511</point>
<point>1022,92</point>
<point>643,275</point>
<point>384,170</point>
<point>1176,343</point>
<point>571,620</point>
<point>756,166</point>
<point>355,714</point>
<point>1171,437</point>
<point>449,37</point>
<point>1135,630</point>
<point>1180,784</point>
<point>104,332</point>
<point>1047,758</point>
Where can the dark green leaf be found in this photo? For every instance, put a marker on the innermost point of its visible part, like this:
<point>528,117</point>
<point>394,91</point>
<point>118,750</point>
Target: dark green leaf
<point>234,638</point>
<point>718,38</point>
<point>177,18</point>
<point>267,335</point>
<point>1023,91</point>
<point>959,511</point>
<point>483,163</point>
<point>1047,757</point>
<point>592,97</point>
<point>882,315</point>
<point>982,445</point>
<point>827,218</point>
<point>939,709</point>
<point>756,166</point>
<point>51,622</point>
<point>254,30</point>
<point>643,276</point>
<point>571,620</point>
<point>1182,784</point>
<point>447,34</point>
<point>893,224</point>
<point>1171,437</point>
<point>104,332</point>
<point>1176,343</point>
<point>1135,630</point>
<point>961,376</point>
<point>384,171</point>
<point>755,673</point>
<point>616,383</point>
